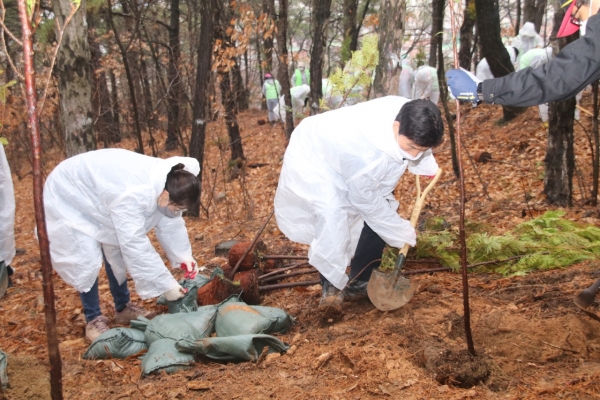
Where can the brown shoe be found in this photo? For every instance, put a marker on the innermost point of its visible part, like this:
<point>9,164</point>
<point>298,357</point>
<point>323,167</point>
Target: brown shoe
<point>331,302</point>
<point>131,312</point>
<point>96,327</point>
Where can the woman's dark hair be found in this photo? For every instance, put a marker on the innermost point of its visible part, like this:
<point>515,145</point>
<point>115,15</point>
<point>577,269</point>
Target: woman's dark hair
<point>421,122</point>
<point>183,187</point>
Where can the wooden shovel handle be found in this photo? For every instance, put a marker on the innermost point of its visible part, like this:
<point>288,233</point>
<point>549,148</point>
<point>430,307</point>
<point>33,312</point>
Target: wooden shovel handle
<point>414,217</point>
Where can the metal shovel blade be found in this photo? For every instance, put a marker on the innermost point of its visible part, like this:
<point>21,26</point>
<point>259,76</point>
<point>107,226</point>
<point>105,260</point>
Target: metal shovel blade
<point>385,294</point>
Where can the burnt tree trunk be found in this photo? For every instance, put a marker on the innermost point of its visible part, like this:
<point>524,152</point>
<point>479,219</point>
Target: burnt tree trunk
<point>283,72</point>
<point>465,53</point>
<point>209,11</point>
<point>560,157</point>
<point>392,14</point>
<point>320,18</point>
<point>488,28</point>
<point>437,26</point>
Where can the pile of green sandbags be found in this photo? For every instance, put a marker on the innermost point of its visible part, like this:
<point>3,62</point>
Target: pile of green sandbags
<point>230,331</point>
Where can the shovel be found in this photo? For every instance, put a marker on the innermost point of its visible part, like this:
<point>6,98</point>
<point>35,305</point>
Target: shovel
<point>389,291</point>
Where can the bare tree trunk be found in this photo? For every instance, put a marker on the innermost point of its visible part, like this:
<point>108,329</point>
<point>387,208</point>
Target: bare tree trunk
<point>466,35</point>
<point>320,18</point>
<point>240,91</point>
<point>518,23</point>
<point>148,105</point>
<point>449,122</point>
<point>209,12</point>
<point>488,28</point>
<point>131,8</point>
<point>392,14</point>
<point>227,95</point>
<point>102,115</point>
<point>115,131</point>
<point>174,86</point>
<point>533,11</point>
<point>268,11</point>
<point>596,152</point>
<point>283,71</point>
<point>140,148</point>
<point>73,73</point>
<point>437,26</point>
<point>560,156</point>
<point>349,26</point>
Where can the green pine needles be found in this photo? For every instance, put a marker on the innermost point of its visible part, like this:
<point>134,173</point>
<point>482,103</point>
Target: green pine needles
<point>546,242</point>
<point>357,75</point>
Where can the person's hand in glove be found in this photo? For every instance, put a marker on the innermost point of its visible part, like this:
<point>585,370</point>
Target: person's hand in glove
<point>175,293</point>
<point>463,85</point>
<point>191,269</point>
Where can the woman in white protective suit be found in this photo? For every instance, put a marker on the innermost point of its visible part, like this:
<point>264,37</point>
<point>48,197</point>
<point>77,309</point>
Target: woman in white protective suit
<point>335,188</point>
<point>103,203</point>
<point>7,222</point>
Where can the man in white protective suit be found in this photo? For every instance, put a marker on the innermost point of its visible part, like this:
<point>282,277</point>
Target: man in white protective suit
<point>426,85</point>
<point>7,223</point>
<point>335,190</point>
<point>101,204</point>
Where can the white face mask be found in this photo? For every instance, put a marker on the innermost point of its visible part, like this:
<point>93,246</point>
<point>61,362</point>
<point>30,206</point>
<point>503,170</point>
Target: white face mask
<point>166,208</point>
<point>407,156</point>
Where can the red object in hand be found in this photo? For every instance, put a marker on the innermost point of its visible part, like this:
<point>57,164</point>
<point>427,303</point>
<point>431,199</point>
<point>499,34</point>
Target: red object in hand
<point>188,274</point>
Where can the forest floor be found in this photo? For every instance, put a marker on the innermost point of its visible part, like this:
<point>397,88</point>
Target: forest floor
<point>531,341</point>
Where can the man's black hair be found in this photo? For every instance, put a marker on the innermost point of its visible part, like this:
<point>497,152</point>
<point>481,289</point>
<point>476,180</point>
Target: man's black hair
<point>421,122</point>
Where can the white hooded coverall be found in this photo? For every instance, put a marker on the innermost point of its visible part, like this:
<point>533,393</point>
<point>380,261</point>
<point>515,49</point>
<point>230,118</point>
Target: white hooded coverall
<point>7,211</point>
<point>339,170</point>
<point>426,85</point>
<point>107,200</point>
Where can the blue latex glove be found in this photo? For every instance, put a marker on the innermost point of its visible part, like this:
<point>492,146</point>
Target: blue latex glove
<point>463,85</point>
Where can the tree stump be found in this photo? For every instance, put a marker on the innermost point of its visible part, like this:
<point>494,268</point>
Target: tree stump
<point>251,259</point>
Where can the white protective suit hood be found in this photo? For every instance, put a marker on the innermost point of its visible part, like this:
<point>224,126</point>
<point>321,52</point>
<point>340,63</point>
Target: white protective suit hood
<point>7,211</point>
<point>339,171</point>
<point>106,201</point>
<point>529,38</point>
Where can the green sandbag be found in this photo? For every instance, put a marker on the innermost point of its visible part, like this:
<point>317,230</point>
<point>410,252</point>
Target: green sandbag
<point>237,318</point>
<point>116,343</point>
<point>232,348</point>
<point>3,366</point>
<point>189,302</point>
<point>197,324</point>
<point>284,320</point>
<point>163,356</point>
<point>140,323</point>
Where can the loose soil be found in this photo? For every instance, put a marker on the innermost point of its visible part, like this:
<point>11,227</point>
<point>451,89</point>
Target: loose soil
<point>531,341</point>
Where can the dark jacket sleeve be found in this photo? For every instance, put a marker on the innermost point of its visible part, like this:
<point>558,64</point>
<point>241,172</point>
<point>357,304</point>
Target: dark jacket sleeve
<point>573,68</point>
